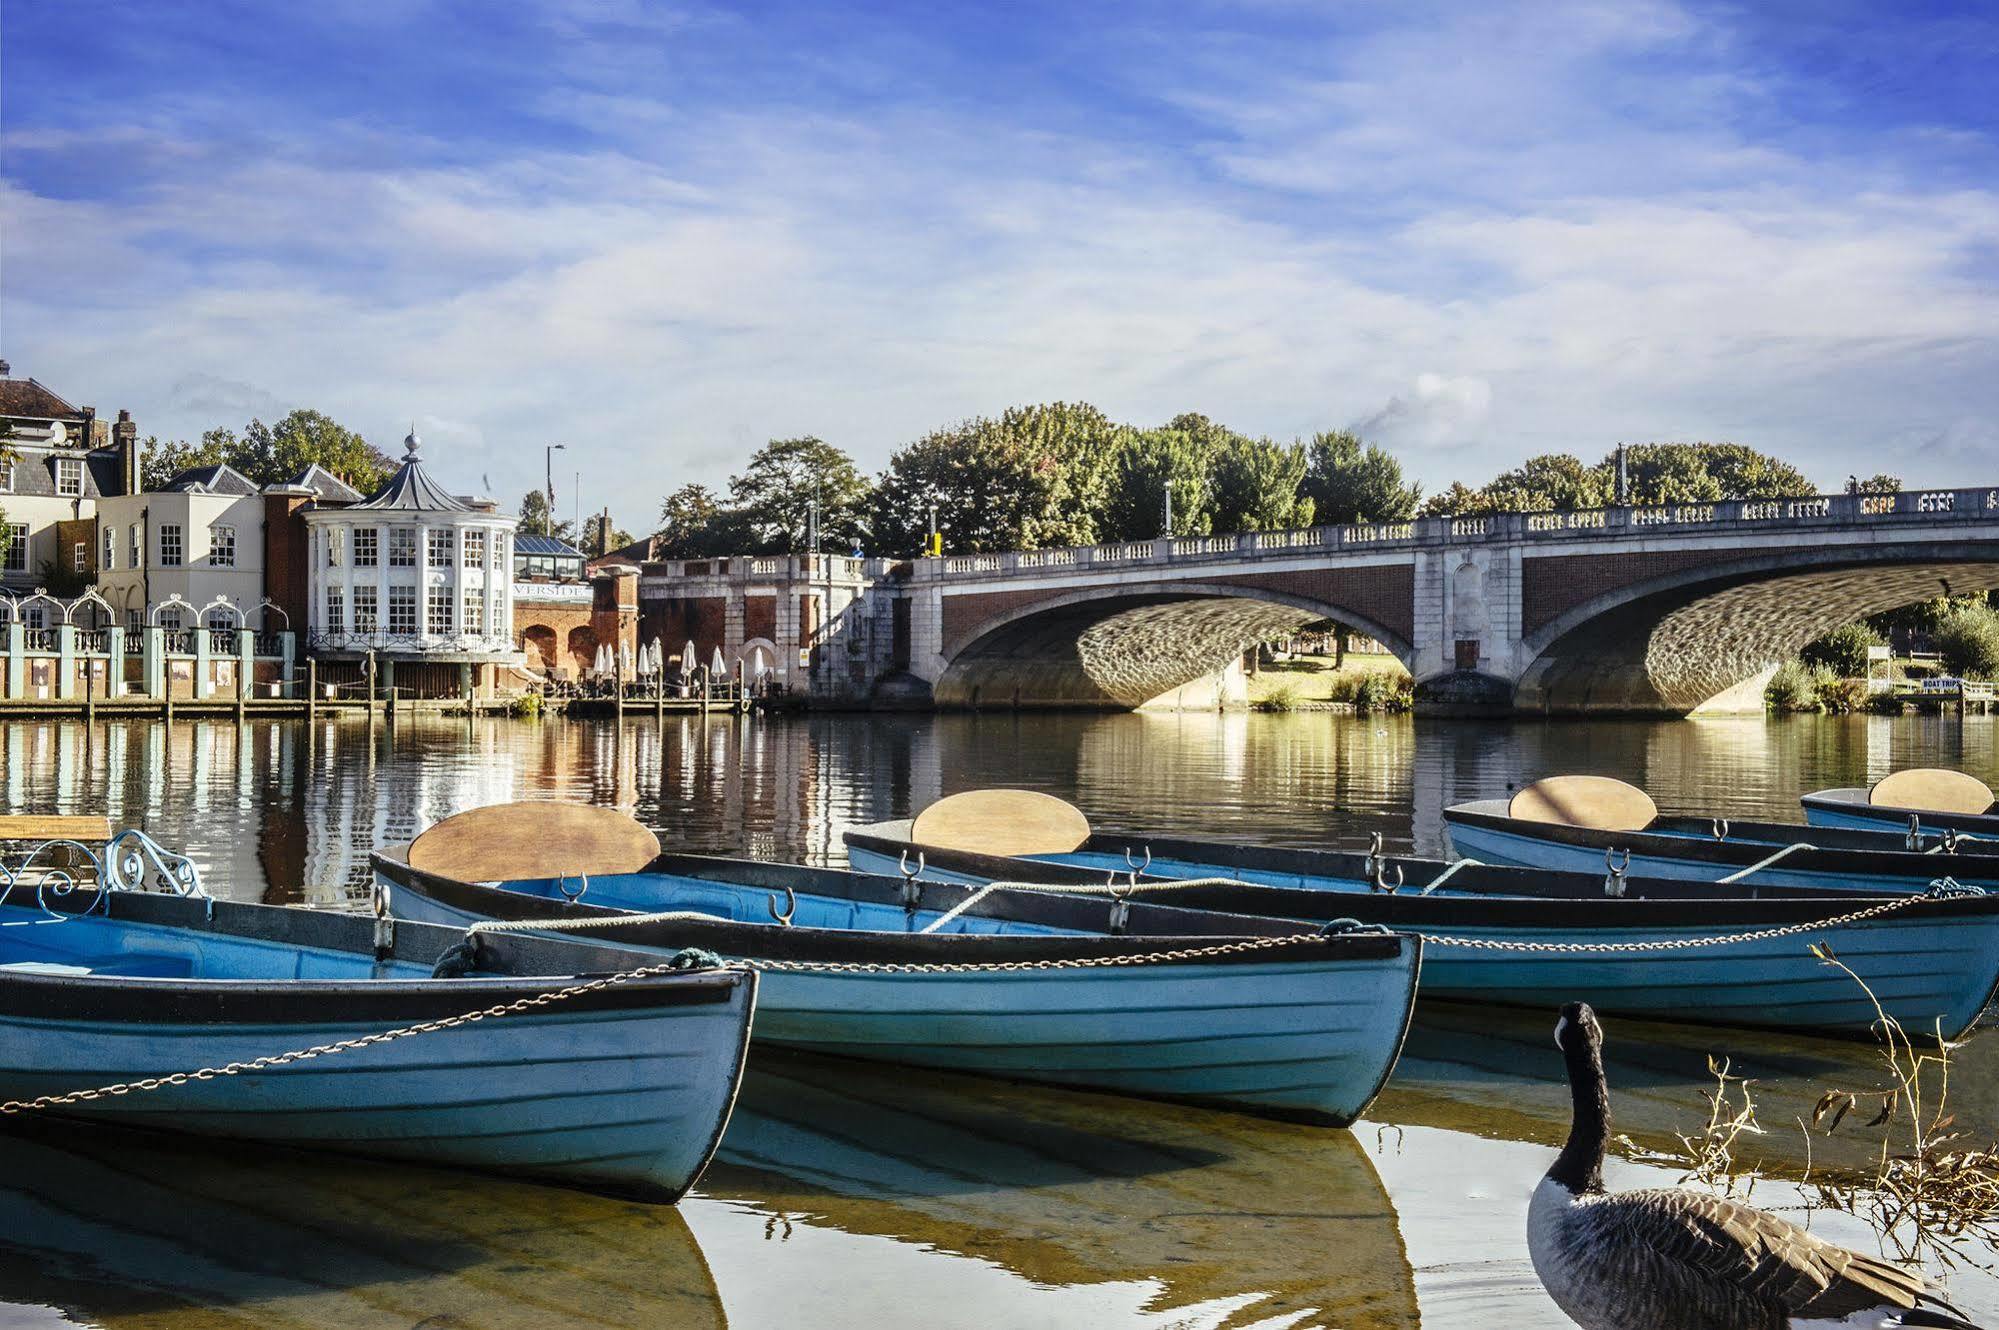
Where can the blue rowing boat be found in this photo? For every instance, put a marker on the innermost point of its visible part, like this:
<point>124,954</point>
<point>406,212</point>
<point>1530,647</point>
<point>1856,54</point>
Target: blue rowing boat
<point>623,1089</point>
<point>1676,950</point>
<point>1585,823</point>
<point>1281,1021</point>
<point>1921,802</point>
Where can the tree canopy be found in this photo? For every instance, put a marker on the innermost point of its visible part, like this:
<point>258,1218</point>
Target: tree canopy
<point>267,454</point>
<point>536,520</point>
<point>775,493</point>
<point>1656,473</point>
<point>1145,466</point>
<point>1257,485</point>
<point>1350,480</point>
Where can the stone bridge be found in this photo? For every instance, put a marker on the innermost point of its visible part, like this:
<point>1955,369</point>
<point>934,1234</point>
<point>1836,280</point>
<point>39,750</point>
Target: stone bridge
<point>1664,610</point>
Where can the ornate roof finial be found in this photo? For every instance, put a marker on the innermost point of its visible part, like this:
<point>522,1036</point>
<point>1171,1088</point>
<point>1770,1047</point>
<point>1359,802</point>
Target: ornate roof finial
<point>411,443</point>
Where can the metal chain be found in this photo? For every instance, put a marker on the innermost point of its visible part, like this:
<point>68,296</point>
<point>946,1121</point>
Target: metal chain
<point>1686,943</point>
<point>177,1079</point>
<point>1061,963</point>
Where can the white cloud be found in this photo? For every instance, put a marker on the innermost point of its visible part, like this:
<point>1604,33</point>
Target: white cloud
<point>1438,412</point>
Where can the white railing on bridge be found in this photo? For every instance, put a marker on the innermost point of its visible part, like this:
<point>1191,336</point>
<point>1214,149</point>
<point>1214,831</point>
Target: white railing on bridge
<point>1125,553</point>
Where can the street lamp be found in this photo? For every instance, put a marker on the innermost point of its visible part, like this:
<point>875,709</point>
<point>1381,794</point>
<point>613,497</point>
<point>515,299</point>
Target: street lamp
<point>548,463</point>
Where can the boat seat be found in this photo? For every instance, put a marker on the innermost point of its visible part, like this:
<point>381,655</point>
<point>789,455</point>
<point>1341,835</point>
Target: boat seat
<point>1598,803</point>
<point>118,966</point>
<point>1932,789</point>
<point>536,839</point>
<point>1001,822</point>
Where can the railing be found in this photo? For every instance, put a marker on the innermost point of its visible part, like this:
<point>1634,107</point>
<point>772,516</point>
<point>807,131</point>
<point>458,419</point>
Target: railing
<point>180,641</point>
<point>412,643</point>
<point>222,641</point>
<point>268,644</point>
<point>135,644</point>
<point>93,641</point>
<point>41,639</point>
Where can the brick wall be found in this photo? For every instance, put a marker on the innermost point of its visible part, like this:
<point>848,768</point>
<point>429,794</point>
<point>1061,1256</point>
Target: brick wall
<point>1552,585</point>
<point>285,556</point>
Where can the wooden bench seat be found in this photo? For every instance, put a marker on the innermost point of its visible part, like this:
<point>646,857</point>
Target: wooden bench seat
<point>90,828</point>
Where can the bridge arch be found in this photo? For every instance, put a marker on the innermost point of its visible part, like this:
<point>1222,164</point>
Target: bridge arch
<point>1119,647</point>
<point>1677,641</point>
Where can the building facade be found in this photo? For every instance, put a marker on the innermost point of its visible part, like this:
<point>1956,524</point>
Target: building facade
<point>190,554</point>
<point>65,460</point>
<point>413,583</point>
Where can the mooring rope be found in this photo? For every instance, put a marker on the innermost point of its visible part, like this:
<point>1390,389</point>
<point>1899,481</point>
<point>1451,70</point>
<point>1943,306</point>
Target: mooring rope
<point>1761,864</point>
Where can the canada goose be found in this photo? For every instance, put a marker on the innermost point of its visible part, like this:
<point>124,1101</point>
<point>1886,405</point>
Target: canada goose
<point>1672,1259</point>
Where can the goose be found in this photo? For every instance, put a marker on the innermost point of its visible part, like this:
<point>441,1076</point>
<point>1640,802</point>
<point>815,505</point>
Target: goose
<point>1672,1259</point>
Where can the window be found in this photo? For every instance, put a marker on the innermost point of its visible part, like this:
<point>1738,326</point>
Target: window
<point>6,477</point>
<point>14,548</point>
<point>440,541</point>
<point>69,475</point>
<point>367,541</point>
<point>475,612</point>
<point>135,550</point>
<point>475,549</point>
<point>365,610</point>
<point>402,547</point>
<point>503,607</point>
<point>336,609</point>
<point>221,621</point>
<point>437,612</point>
<point>110,548</point>
<point>135,621</point>
<point>222,546</point>
<point>81,554</point>
<point>333,541</point>
<point>402,611</point>
<point>169,545</point>
<point>170,620</point>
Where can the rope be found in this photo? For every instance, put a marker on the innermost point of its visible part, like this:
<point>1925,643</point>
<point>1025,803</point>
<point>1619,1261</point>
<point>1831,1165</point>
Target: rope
<point>1940,889</point>
<point>1076,889</point>
<point>682,962</point>
<point>1445,876</point>
<point>1766,862</point>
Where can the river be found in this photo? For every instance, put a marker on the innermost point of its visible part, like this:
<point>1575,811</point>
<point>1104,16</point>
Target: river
<point>855,1196</point>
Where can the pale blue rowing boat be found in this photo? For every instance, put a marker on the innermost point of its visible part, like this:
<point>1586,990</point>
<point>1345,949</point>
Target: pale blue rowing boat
<point>1679,950</point>
<point>1288,1024</point>
<point>1919,802</point>
<point>624,1089</point>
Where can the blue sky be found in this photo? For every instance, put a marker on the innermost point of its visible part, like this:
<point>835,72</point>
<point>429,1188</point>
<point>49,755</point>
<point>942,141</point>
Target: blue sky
<point>663,233</point>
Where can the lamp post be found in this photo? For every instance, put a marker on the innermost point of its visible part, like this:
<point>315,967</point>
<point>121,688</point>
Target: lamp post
<point>548,477</point>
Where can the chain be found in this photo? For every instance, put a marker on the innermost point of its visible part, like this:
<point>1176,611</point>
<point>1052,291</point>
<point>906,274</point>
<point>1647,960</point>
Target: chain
<point>681,963</point>
<point>1685,943</point>
<point>1063,963</point>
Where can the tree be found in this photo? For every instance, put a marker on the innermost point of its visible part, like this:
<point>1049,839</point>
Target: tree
<point>1879,483</point>
<point>1352,481</point>
<point>1255,485</point>
<point>694,525</point>
<point>1843,650</point>
<point>1144,467</point>
<point>7,459</point>
<point>1033,478</point>
<point>535,517</point>
<point>1967,640</point>
<point>776,491</point>
<point>1656,473</point>
<point>1550,482</point>
<point>161,462</point>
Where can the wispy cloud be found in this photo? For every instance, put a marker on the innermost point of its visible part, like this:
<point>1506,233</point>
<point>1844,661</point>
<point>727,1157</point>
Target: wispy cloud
<point>662,235</point>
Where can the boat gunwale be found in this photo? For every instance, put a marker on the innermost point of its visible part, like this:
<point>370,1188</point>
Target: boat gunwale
<point>1852,801</point>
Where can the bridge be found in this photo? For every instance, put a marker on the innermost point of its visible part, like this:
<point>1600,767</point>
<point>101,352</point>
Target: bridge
<point>1658,610</point>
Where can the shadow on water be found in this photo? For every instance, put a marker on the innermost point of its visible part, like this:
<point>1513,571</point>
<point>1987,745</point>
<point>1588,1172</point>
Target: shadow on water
<point>135,1229</point>
<point>1283,1224</point>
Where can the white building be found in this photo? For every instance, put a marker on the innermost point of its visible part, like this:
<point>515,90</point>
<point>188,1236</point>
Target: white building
<point>412,579</point>
<point>65,460</point>
<point>188,555</point>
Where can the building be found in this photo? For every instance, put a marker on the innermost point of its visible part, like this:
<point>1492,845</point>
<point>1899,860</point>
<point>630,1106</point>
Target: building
<point>413,582</point>
<point>567,609</point>
<point>190,554</point>
<point>65,459</point>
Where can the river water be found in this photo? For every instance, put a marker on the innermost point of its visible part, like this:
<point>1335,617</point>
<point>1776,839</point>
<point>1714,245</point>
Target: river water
<point>856,1196</point>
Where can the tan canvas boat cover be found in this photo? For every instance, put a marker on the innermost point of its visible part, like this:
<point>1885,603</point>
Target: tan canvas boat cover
<point>1004,822</point>
<point>1600,803</point>
<point>533,840</point>
<point>1933,788</point>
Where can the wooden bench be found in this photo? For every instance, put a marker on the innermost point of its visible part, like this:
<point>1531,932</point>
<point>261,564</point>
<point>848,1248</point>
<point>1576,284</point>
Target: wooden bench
<point>90,828</point>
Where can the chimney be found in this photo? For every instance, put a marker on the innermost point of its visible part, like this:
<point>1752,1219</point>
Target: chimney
<point>125,438</point>
<point>6,370</point>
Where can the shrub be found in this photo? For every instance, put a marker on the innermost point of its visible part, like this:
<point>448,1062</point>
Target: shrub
<point>1840,697</point>
<point>1968,642</point>
<point>1794,687</point>
<point>1884,704</point>
<point>1381,692</point>
<point>1843,650</point>
<point>1279,697</point>
<point>525,705</point>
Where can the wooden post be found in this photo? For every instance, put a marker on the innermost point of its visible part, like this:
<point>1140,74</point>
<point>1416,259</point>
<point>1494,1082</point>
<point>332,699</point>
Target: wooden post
<point>371,681</point>
<point>618,680</point>
<point>90,689</point>
<point>311,688</point>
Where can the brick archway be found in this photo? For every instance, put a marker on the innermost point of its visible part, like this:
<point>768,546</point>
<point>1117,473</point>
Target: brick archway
<point>540,643</point>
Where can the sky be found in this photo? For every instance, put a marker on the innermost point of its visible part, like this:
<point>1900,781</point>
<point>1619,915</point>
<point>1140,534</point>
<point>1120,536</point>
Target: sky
<point>661,233</point>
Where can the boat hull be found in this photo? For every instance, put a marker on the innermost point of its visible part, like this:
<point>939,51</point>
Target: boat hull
<point>1298,1036</point>
<point>1932,963</point>
<point>1849,808</point>
<point>623,1091</point>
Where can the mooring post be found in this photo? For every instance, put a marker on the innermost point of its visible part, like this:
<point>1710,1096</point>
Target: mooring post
<point>311,687</point>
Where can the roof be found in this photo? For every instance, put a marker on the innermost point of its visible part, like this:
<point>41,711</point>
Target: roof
<point>410,489</point>
<point>218,479</point>
<point>34,475</point>
<point>329,487</point>
<point>528,544</point>
<point>29,399</point>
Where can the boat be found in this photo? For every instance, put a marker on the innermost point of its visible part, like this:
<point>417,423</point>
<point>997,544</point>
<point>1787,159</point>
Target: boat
<point>269,1023</point>
<point>1698,952</point>
<point>1281,1021</point>
<point>1582,823</point>
<point>1925,800</point>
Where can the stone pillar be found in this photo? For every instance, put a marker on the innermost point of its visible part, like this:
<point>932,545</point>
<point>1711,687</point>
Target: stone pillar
<point>65,661</point>
<point>17,659</point>
<point>288,650</point>
<point>114,667</point>
<point>246,663</point>
<point>153,660</point>
<point>202,656</point>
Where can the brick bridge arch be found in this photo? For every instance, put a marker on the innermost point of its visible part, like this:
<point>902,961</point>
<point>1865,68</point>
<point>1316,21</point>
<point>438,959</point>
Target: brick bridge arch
<point>1123,645</point>
<point>1676,640</point>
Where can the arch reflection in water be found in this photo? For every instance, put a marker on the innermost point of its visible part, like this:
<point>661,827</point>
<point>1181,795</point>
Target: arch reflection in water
<point>130,1229</point>
<point>1233,1221</point>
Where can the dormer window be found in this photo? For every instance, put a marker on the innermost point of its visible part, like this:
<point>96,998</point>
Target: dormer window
<point>69,476</point>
